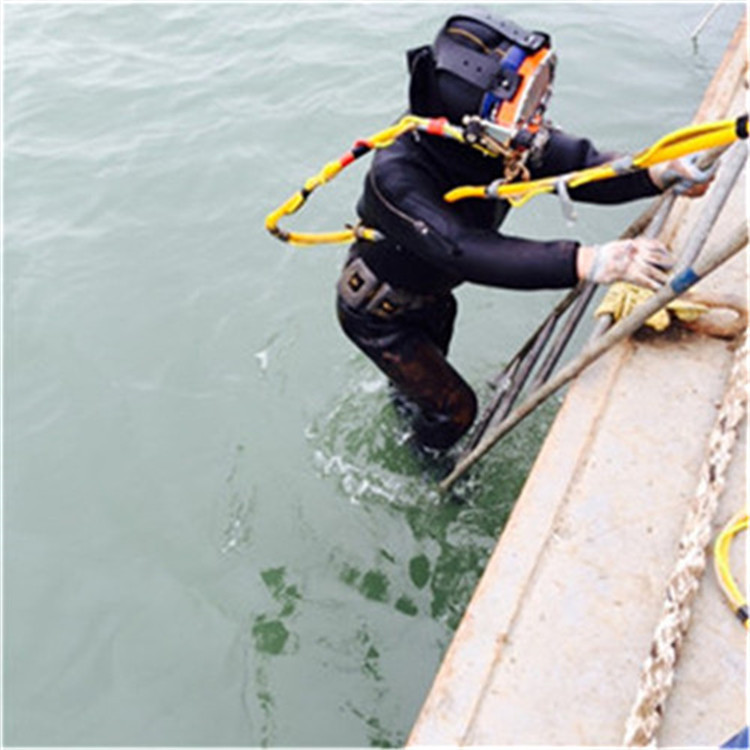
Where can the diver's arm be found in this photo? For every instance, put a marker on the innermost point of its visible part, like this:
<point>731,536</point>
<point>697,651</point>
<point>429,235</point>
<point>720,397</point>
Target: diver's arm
<point>564,153</point>
<point>486,257</point>
<point>436,231</point>
<point>420,220</point>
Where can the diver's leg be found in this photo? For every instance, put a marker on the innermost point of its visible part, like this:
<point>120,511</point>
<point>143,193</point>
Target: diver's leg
<point>446,404</point>
<point>416,365</point>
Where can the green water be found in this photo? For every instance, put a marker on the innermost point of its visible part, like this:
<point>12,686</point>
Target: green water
<point>213,534</point>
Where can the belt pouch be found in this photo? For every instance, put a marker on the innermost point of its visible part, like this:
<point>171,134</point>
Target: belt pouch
<point>357,284</point>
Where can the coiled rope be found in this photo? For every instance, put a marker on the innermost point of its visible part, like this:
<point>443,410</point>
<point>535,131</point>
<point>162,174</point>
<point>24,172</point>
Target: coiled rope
<point>657,673</point>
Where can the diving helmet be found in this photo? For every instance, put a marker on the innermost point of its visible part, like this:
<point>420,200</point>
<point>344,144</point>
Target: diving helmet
<point>480,66</point>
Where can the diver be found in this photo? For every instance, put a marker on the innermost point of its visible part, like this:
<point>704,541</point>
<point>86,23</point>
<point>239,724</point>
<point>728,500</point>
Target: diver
<point>395,299</point>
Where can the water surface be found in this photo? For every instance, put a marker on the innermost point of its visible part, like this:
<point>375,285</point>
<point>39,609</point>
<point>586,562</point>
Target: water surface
<point>213,531</point>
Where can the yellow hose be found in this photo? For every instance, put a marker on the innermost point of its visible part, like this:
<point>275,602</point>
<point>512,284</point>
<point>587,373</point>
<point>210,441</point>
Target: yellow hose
<point>731,590</point>
<point>679,143</point>
<point>380,140</point>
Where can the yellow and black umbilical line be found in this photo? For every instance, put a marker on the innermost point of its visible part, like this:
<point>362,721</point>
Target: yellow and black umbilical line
<point>682,142</point>
<point>383,139</point>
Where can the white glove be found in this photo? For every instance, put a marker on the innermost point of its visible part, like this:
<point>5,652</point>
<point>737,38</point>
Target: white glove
<point>684,175</point>
<point>639,261</point>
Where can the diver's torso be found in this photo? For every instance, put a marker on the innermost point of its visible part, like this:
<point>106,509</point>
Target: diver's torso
<point>401,190</point>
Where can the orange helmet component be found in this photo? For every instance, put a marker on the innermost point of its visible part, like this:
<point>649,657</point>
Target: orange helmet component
<point>527,106</point>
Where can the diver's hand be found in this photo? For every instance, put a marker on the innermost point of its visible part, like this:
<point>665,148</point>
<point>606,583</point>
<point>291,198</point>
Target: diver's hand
<point>684,175</point>
<point>640,261</point>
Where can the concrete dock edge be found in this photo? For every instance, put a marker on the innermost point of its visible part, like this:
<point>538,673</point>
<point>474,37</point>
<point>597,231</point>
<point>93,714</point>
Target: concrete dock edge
<point>550,648</point>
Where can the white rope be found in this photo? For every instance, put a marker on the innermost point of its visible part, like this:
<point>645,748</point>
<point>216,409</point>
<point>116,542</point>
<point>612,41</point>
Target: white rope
<point>657,672</point>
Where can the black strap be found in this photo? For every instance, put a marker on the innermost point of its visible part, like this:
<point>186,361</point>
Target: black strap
<point>741,126</point>
<point>478,68</point>
<point>532,41</point>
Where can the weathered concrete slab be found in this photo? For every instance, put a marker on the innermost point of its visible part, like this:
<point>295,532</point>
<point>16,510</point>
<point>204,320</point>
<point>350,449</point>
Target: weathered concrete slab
<point>551,647</point>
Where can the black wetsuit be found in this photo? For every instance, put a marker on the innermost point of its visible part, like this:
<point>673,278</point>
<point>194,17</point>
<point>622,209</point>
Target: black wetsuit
<point>431,246</point>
